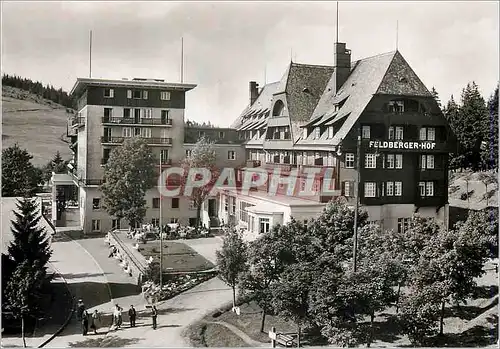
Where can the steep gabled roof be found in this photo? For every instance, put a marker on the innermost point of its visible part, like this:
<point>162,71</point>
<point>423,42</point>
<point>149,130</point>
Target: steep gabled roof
<point>262,105</point>
<point>304,88</point>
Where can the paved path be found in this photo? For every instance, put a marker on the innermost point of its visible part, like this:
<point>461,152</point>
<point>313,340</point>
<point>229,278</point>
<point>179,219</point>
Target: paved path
<point>95,276</point>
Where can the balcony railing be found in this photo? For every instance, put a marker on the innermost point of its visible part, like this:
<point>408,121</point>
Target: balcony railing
<point>133,121</point>
<point>166,162</point>
<point>150,140</point>
<point>77,122</point>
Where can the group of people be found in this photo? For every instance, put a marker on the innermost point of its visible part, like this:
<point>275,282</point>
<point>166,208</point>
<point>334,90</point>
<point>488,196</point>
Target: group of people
<point>89,321</point>
<point>92,321</point>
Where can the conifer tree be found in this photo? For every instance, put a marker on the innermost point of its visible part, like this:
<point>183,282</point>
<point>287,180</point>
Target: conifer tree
<point>30,242</point>
<point>489,152</point>
<point>436,97</point>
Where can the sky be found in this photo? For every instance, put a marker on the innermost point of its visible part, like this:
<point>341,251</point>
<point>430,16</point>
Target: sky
<point>228,44</point>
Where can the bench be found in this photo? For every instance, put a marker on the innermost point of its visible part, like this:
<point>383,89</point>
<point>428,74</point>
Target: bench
<point>285,340</point>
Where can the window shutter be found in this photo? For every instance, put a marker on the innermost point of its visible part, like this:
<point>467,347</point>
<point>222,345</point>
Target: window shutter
<point>343,193</point>
<point>111,93</point>
<point>129,94</point>
<point>145,94</point>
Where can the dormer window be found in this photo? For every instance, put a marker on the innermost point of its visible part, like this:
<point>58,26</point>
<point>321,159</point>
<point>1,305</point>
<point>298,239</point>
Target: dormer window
<point>317,133</point>
<point>365,132</point>
<point>396,106</point>
<point>278,109</point>
<point>330,132</point>
<point>304,134</point>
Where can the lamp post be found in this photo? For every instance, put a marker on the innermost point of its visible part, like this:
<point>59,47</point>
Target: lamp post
<point>356,189</point>
<point>161,232</point>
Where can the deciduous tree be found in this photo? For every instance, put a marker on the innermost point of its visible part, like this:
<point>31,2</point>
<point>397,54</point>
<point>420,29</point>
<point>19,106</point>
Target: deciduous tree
<point>202,156</point>
<point>128,174</point>
<point>232,259</point>
<point>19,176</point>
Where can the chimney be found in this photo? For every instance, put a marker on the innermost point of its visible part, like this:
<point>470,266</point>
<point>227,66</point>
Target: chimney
<point>254,91</point>
<point>342,64</point>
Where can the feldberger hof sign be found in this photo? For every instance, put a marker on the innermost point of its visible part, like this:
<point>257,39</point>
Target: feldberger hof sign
<point>402,145</point>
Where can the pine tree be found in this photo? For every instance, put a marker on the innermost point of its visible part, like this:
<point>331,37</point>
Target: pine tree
<point>436,97</point>
<point>470,126</point>
<point>489,152</point>
<point>451,114</point>
<point>30,242</point>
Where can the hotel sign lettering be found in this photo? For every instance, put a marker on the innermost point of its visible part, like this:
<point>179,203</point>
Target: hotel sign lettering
<point>422,145</point>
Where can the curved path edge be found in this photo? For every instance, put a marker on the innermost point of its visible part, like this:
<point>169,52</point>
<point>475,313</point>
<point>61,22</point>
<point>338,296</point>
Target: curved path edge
<point>246,338</point>
<point>70,315</point>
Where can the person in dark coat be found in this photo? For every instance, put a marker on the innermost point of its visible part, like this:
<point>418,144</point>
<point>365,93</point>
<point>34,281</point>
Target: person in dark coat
<point>85,323</point>
<point>132,315</point>
<point>80,309</point>
<point>154,314</point>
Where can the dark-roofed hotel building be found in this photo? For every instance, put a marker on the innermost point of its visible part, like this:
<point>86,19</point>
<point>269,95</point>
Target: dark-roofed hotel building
<point>312,118</point>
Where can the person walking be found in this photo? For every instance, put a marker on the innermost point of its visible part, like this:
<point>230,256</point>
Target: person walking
<point>85,322</point>
<point>154,314</point>
<point>95,321</point>
<point>117,314</point>
<point>132,314</point>
<point>80,309</point>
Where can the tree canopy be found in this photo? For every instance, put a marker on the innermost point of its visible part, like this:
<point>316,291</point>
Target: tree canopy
<point>19,176</point>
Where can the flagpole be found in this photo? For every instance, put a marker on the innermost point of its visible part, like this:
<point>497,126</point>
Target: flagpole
<point>161,234</point>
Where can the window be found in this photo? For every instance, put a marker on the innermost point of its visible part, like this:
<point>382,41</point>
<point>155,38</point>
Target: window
<point>403,224</point>
<point>108,112</point>
<point>427,134</point>
<point>348,189</point>
<point>399,161</point>
<point>115,224</point>
<point>145,132</point>
<point>233,206</point>
<point>226,203</point>
<point>398,188</point>
<point>396,106</point>
<point>96,225</point>
<point>127,132</point>
<point>109,93</point>
<point>390,160</point>
<point>147,113</point>
<point>201,134</point>
<point>165,95</point>
<point>264,225</point>
<point>317,133</point>
<point>137,131</point>
<point>96,203</point>
<point>370,161</point>
<point>365,132</point>
<point>330,132</point>
<point>126,112</point>
<point>137,94</point>
<point>137,114</point>
<point>399,132</point>
<point>144,94</point>
<point>426,188</point>
<point>349,160</point>
<point>156,202</point>
<point>155,222</point>
<point>389,191</point>
<point>129,94</point>
<point>429,189</point>
<point>175,202</point>
<point>431,134</point>
<point>391,132</point>
<point>427,162</point>
<point>370,189</point>
<point>163,155</point>
<point>231,155</point>
<point>174,220</point>
<point>188,152</point>
<point>221,134</point>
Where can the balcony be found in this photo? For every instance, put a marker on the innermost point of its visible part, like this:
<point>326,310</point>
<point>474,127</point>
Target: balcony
<point>253,163</point>
<point>132,121</point>
<point>85,181</point>
<point>150,140</point>
<point>77,122</point>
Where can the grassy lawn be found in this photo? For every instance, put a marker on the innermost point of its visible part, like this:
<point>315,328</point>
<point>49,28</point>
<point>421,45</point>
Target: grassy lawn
<point>220,336</point>
<point>177,257</point>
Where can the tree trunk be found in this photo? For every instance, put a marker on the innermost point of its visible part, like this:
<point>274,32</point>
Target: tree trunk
<point>370,338</point>
<point>22,331</point>
<point>198,216</point>
<point>397,297</point>
<point>298,335</point>
<point>487,196</point>
<point>234,296</point>
<point>441,320</point>
<point>263,321</point>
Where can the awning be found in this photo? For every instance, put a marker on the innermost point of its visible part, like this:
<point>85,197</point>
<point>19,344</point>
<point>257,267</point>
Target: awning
<point>266,208</point>
<point>248,126</point>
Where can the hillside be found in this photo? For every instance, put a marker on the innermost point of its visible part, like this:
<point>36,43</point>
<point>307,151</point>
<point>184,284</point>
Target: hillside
<point>467,190</point>
<point>37,124</point>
